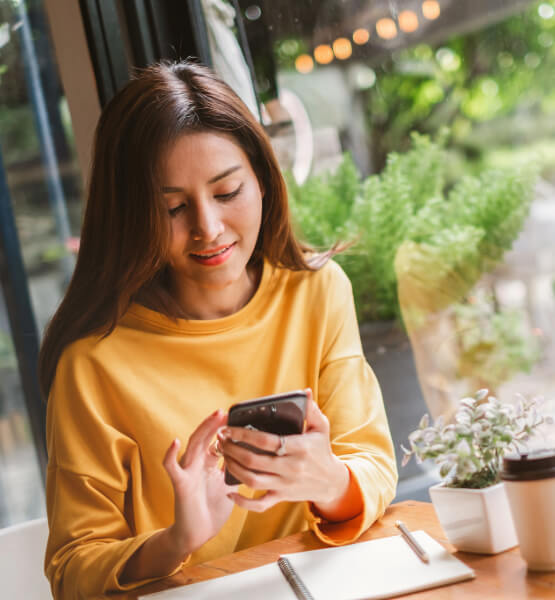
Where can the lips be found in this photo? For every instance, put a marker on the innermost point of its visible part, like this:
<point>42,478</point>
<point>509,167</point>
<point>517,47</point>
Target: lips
<point>211,252</point>
<point>213,256</point>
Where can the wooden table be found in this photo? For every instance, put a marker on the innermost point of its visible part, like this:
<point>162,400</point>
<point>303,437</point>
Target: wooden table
<point>500,576</point>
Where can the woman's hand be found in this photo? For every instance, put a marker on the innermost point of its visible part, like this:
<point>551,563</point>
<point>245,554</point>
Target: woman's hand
<point>201,500</point>
<point>202,505</point>
<point>307,471</point>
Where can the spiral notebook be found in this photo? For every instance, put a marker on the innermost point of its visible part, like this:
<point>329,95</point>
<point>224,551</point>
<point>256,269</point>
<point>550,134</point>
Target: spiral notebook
<point>381,568</point>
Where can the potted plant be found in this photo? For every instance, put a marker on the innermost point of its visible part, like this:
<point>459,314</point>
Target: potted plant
<point>470,501</point>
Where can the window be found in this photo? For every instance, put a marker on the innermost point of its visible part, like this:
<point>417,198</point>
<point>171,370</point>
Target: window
<point>44,184</point>
<point>21,494</point>
<point>445,111</point>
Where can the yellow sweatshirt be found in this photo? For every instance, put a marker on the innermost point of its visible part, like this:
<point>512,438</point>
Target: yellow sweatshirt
<point>117,403</point>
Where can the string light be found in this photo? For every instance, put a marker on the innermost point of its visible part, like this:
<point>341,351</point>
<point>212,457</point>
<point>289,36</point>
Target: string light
<point>386,28</point>
<point>408,21</point>
<point>323,54</point>
<point>342,48</point>
<point>361,36</point>
<point>304,63</point>
<point>431,9</point>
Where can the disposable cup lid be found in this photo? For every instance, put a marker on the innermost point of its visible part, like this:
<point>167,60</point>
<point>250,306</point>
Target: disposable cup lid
<point>528,466</point>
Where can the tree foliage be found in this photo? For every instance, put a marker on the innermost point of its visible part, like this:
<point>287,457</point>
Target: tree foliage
<point>492,87</point>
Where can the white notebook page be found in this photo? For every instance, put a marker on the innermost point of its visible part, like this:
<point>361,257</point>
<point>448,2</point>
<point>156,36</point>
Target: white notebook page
<point>265,583</point>
<point>376,569</point>
<point>380,568</point>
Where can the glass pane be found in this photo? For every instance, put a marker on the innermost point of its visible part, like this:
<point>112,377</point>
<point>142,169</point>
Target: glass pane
<point>37,146</point>
<point>424,129</point>
<point>21,491</point>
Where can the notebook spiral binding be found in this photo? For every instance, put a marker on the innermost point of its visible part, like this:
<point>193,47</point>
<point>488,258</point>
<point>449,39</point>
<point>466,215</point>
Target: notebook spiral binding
<point>294,580</point>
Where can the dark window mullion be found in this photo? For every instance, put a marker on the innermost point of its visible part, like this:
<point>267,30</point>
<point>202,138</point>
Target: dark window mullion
<point>106,43</point>
<point>198,26</point>
<point>140,28</point>
<point>23,327</point>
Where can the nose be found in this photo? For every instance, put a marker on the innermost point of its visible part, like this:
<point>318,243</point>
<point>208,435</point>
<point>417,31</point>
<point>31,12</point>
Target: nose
<point>207,224</point>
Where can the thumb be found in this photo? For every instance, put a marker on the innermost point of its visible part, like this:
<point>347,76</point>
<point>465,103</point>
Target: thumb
<point>170,460</point>
<point>316,420</point>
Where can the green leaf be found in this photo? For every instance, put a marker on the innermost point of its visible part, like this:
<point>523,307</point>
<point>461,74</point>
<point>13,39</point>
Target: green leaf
<point>417,248</point>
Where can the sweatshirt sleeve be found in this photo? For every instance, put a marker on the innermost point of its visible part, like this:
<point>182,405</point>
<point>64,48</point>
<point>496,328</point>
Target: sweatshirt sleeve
<point>89,469</point>
<point>349,395</point>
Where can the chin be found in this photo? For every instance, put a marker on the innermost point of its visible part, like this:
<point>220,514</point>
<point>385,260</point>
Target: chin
<point>217,277</point>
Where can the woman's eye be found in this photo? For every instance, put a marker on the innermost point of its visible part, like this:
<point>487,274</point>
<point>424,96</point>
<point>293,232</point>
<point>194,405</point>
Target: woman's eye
<point>231,195</point>
<point>174,211</point>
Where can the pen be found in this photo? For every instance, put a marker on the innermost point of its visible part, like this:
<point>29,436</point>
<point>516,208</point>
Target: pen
<point>407,536</point>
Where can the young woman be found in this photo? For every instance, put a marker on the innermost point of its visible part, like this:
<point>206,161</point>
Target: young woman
<point>190,294</point>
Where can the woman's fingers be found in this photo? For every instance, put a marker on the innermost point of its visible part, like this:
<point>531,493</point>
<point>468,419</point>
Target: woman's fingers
<point>269,442</point>
<point>200,439</point>
<point>260,504</point>
<point>253,479</point>
<point>260,439</point>
<point>316,420</point>
<point>249,459</point>
<point>215,448</point>
<point>204,433</point>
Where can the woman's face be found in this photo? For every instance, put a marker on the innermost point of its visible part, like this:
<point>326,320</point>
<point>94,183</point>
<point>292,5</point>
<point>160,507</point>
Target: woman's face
<point>215,204</point>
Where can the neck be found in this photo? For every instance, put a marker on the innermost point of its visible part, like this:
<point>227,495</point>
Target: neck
<point>216,303</point>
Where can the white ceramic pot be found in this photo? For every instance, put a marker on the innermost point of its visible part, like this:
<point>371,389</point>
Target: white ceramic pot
<point>475,520</point>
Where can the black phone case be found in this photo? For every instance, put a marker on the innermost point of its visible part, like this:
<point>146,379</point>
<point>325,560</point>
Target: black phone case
<point>282,414</point>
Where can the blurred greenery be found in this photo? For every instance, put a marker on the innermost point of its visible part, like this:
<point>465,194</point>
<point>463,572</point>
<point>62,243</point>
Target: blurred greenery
<point>494,344</point>
<point>494,87</point>
<point>286,51</point>
<point>407,224</point>
<point>18,134</point>
<point>7,352</point>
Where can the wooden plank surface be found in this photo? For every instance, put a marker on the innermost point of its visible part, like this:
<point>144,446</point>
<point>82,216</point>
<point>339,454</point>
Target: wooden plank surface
<point>501,576</point>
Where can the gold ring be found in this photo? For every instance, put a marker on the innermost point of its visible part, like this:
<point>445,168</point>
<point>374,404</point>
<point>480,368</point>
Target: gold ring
<point>215,448</point>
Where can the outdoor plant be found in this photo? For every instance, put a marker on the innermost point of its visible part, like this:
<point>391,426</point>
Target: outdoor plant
<point>494,343</point>
<point>404,220</point>
<point>470,450</point>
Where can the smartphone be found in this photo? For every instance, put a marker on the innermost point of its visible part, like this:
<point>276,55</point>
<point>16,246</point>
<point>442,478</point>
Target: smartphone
<point>282,414</point>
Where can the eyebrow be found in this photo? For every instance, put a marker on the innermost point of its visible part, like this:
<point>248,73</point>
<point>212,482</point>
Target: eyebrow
<point>222,175</point>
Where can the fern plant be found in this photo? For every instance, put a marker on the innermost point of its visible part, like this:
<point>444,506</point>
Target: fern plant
<point>408,225</point>
<point>322,206</point>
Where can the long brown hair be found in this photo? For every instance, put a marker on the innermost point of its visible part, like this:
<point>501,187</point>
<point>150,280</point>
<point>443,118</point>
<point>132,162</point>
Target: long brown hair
<point>126,231</point>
